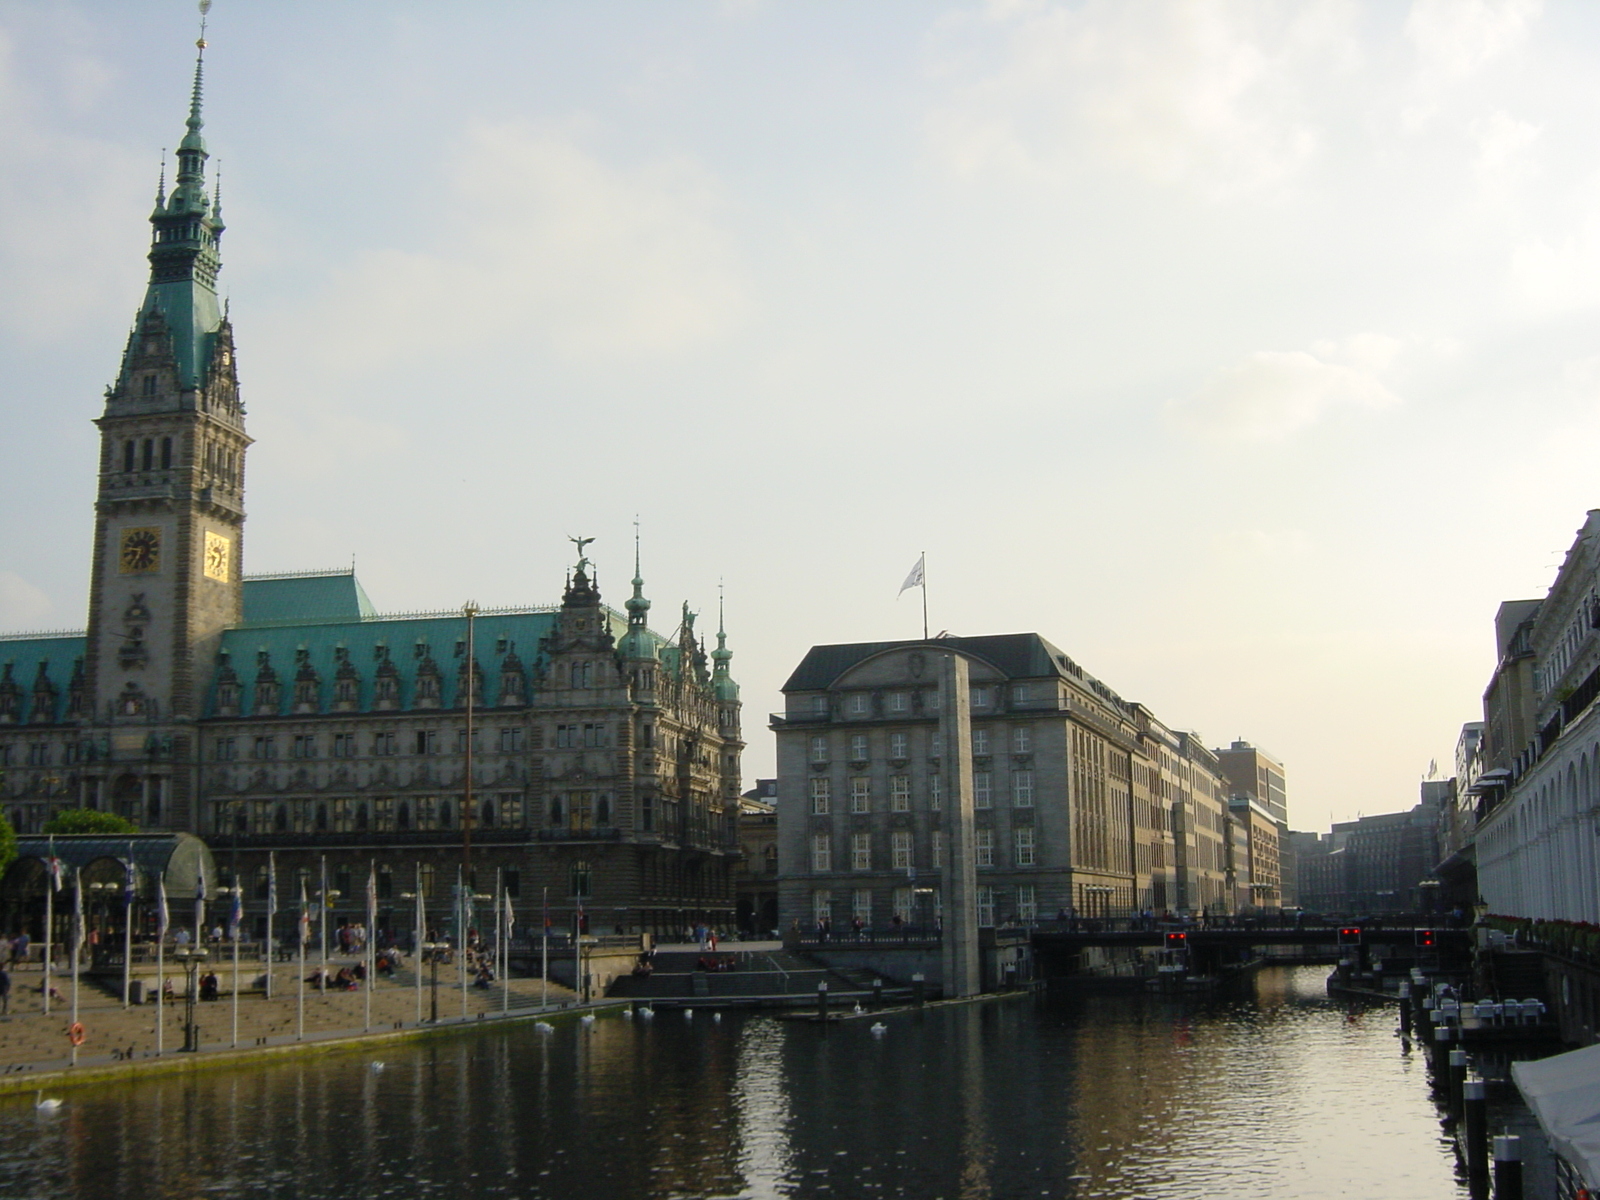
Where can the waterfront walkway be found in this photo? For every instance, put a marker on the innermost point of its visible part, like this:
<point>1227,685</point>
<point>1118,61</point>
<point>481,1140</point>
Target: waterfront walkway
<point>33,1042</point>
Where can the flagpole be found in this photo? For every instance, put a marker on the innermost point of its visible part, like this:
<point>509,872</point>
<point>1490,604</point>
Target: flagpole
<point>77,926</point>
<point>161,965</point>
<point>544,957</point>
<point>924,561</point>
<point>505,963</point>
<point>322,923</point>
<point>300,1003</point>
<point>49,921</point>
<point>272,910</point>
<point>461,924</point>
<point>127,932</point>
<point>499,931</point>
<point>238,901</point>
<point>422,930</point>
<point>372,931</point>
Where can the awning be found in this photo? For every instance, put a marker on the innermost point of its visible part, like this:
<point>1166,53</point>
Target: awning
<point>1564,1093</point>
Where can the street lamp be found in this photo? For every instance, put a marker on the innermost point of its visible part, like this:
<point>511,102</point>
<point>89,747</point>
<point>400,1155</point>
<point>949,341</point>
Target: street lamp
<point>190,959</point>
<point>431,949</point>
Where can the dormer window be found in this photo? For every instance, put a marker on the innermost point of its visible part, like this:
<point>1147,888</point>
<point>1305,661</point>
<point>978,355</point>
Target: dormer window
<point>149,385</point>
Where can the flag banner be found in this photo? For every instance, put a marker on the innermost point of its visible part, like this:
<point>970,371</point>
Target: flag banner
<point>200,887</point>
<point>162,919</point>
<point>305,916</point>
<point>77,909</point>
<point>915,579</point>
<point>128,882</point>
<point>511,917</point>
<point>53,865</point>
<point>372,904</point>
<point>236,913</point>
<point>272,885</point>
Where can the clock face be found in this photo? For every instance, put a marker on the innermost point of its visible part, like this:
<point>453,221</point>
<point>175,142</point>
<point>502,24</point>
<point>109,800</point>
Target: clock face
<point>140,552</point>
<point>218,557</point>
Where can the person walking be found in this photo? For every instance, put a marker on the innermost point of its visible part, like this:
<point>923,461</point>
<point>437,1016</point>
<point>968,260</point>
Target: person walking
<point>5,991</point>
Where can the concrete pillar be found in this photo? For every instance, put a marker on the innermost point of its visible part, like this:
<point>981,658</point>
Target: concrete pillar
<point>960,876</point>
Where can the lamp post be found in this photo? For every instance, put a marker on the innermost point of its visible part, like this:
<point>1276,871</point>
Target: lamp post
<point>432,949</point>
<point>190,959</point>
<point>470,611</point>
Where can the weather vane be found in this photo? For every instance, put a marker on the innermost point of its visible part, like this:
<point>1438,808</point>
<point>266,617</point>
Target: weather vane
<point>205,7</point>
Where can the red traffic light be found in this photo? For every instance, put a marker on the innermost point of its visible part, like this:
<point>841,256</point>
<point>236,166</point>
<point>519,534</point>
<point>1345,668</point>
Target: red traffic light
<point>1177,941</point>
<point>1350,936</point>
<point>1425,937</point>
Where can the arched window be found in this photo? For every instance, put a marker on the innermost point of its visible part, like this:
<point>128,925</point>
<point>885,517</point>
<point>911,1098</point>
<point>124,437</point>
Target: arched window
<point>322,817</point>
<point>444,814</point>
<point>555,811</point>
<point>263,883</point>
<point>486,817</point>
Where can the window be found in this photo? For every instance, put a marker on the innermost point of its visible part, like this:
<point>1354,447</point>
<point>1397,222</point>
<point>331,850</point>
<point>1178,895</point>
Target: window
<point>860,794</point>
<point>647,813</point>
<point>344,745</point>
<point>904,901</point>
<point>938,849</point>
<point>980,697</point>
<point>266,747</point>
<point>1021,740</point>
<point>897,745</point>
<point>986,907</point>
<point>933,701</point>
<point>461,741</point>
<point>304,746</point>
<point>1019,693</point>
<point>1022,789</point>
<point>648,736</point>
<point>980,741</point>
<point>511,810</point>
<point>819,707</point>
<point>428,881</point>
<point>983,844</point>
<point>858,703</point>
<point>1027,904</point>
<point>901,850</point>
<point>821,852</point>
<point>819,749</point>
<point>861,907</point>
<point>982,789</point>
<point>427,741</point>
<point>227,749</point>
<point>512,882</point>
<point>861,852</point>
<point>935,794</point>
<point>936,746</point>
<point>899,702</point>
<point>821,905</point>
<point>127,448</point>
<point>385,883</point>
<point>582,673</point>
<point>820,797</point>
<point>383,743</point>
<point>39,754</point>
<point>1022,845</point>
<point>510,740</point>
<point>900,793</point>
<point>858,748</point>
<point>166,453</point>
<point>148,453</point>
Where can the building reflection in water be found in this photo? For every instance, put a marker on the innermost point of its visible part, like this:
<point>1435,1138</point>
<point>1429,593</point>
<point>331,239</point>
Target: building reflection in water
<point>1118,1097</point>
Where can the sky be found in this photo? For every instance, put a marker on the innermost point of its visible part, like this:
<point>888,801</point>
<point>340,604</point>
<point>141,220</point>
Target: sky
<point>1246,351</point>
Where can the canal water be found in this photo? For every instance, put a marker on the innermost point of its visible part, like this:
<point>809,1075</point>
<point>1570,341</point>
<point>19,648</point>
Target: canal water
<point>1284,1093</point>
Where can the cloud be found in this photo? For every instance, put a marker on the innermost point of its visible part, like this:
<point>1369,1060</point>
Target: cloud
<point>1204,96</point>
<point>1501,138</point>
<point>22,605</point>
<point>542,238</point>
<point>1455,40</point>
<point>1551,277</point>
<point>1272,395</point>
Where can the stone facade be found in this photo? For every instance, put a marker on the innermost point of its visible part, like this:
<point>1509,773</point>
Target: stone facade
<point>1083,802</point>
<point>285,721</point>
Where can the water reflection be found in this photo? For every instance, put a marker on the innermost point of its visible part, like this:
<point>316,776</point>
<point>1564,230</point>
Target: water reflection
<point>1284,1095</point>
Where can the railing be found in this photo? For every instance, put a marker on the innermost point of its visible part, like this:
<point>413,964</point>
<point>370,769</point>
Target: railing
<point>108,956</point>
<point>579,835</point>
<point>868,937</point>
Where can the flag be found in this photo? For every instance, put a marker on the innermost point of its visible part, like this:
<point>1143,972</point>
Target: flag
<point>77,909</point>
<point>162,918</point>
<point>915,579</point>
<point>511,917</point>
<point>305,916</point>
<point>236,913</point>
<point>272,885</point>
<point>372,903</point>
<point>200,888</point>
<point>53,865</point>
<point>128,885</point>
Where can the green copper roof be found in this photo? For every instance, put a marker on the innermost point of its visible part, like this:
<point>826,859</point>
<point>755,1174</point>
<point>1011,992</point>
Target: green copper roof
<point>21,661</point>
<point>305,596</point>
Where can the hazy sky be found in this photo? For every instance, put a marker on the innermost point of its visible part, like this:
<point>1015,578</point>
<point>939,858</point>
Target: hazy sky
<point>1246,351</point>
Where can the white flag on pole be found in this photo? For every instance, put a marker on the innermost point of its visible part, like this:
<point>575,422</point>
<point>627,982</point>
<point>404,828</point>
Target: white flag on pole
<point>163,918</point>
<point>915,579</point>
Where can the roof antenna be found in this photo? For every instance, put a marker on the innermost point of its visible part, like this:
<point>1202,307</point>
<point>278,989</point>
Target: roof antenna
<point>161,187</point>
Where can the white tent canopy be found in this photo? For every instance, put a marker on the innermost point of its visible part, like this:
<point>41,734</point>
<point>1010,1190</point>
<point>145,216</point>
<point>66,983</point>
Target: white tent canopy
<point>1564,1093</point>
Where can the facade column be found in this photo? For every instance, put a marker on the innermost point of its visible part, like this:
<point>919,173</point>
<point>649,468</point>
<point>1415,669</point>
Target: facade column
<point>960,876</point>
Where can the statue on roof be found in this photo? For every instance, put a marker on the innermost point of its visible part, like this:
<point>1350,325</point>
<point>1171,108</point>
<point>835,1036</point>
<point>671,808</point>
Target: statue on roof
<point>580,543</point>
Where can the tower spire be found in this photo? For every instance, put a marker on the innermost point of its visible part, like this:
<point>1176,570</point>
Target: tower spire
<point>722,657</point>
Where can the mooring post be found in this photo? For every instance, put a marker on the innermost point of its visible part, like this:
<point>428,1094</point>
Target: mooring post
<point>919,989</point>
<point>1405,1008</point>
<point>1441,1061</point>
<point>1458,1078</point>
<point>1507,1167</point>
<point>1475,1126</point>
<point>877,993</point>
<point>822,1002</point>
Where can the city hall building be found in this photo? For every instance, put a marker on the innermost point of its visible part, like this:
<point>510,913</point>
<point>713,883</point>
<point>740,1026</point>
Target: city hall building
<point>283,714</point>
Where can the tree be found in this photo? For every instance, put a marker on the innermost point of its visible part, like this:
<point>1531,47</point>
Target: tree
<point>8,843</point>
<point>86,820</point>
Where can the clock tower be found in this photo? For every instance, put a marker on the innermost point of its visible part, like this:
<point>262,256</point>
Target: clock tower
<point>169,513</point>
